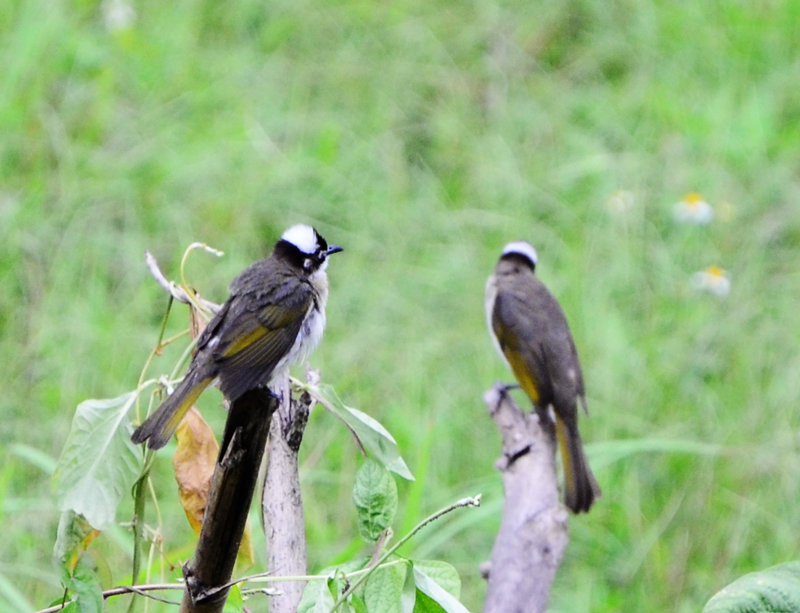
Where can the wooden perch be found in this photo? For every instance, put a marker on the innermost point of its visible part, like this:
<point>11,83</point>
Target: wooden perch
<point>533,534</point>
<point>232,486</point>
<point>282,500</point>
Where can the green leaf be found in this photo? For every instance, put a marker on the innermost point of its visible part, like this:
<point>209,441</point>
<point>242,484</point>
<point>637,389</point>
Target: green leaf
<point>443,573</point>
<point>774,589</point>
<point>356,604</point>
<point>99,462</point>
<point>426,604</point>
<point>86,587</point>
<point>371,434</point>
<point>318,595</point>
<point>438,584</point>
<point>74,534</point>
<point>375,497</point>
<point>409,597</point>
<point>383,592</point>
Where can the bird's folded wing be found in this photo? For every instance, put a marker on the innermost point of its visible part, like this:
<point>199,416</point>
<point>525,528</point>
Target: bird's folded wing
<point>254,339</point>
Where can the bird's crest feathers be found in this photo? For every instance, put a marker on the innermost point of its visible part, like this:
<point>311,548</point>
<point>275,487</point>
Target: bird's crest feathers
<point>304,237</point>
<point>522,248</point>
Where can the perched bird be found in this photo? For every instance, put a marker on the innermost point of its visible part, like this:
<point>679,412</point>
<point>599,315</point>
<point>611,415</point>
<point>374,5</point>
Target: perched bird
<point>531,333</point>
<point>274,317</point>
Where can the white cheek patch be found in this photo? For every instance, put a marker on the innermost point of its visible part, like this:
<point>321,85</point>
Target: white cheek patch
<point>303,237</point>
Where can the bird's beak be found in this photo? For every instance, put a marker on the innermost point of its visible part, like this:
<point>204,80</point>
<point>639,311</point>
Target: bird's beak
<point>333,249</point>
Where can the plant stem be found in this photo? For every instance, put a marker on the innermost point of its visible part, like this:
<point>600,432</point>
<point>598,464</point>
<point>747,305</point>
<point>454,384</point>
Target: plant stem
<point>122,590</point>
<point>153,352</point>
<point>138,527</point>
<point>473,501</point>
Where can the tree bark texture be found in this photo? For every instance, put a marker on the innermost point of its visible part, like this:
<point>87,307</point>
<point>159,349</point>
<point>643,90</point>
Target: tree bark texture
<point>282,502</point>
<point>232,485</point>
<point>534,533</point>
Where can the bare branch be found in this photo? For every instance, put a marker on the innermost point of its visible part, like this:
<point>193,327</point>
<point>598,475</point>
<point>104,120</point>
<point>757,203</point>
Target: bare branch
<point>533,534</point>
<point>209,572</point>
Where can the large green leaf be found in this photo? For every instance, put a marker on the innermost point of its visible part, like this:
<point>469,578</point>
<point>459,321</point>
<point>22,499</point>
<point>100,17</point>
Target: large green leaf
<point>383,591</point>
<point>775,589</point>
<point>373,436</point>
<point>99,462</point>
<point>375,497</point>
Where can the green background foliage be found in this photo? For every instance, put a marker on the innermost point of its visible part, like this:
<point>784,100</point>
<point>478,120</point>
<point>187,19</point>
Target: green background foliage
<point>422,136</point>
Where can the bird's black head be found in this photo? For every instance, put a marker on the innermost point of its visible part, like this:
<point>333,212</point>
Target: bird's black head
<point>521,251</point>
<point>305,248</point>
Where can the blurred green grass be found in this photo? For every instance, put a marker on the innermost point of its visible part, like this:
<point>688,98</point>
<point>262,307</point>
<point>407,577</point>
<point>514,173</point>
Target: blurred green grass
<point>422,137</point>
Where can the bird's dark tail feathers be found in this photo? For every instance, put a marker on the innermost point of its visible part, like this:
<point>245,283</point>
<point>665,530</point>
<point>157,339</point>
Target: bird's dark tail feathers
<point>158,429</point>
<point>580,486</point>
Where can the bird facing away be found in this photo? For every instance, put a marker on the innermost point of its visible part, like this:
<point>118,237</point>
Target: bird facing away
<point>274,318</point>
<point>531,333</point>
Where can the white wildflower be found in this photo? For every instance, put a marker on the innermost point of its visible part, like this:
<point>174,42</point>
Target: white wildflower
<point>713,280</point>
<point>694,209</point>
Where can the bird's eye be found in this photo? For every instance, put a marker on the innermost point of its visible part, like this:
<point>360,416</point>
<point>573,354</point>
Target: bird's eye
<point>308,263</point>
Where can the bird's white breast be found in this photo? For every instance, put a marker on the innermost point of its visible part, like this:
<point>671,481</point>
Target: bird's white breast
<point>310,335</point>
<point>312,328</point>
<point>491,296</point>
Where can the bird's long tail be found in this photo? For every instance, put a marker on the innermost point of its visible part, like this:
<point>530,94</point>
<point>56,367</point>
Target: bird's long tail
<point>158,429</point>
<point>580,486</point>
